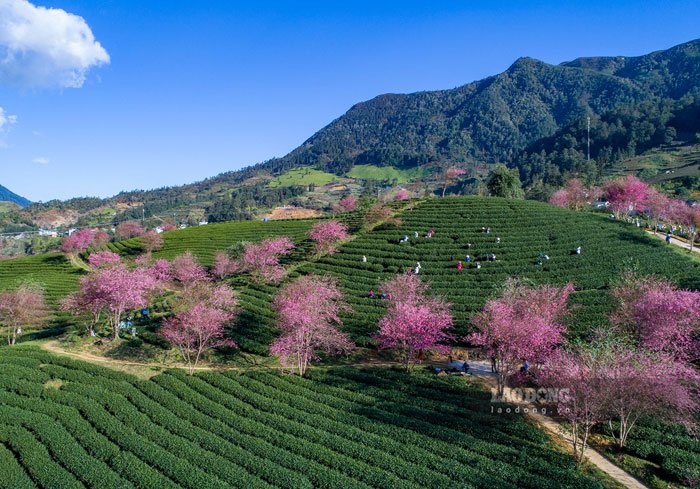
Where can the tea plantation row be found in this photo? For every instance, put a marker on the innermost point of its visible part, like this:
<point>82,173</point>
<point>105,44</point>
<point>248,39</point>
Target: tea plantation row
<point>525,229</point>
<point>70,424</point>
<point>204,241</point>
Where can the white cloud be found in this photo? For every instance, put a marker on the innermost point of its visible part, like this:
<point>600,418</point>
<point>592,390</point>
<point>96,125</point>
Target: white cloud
<point>45,47</point>
<point>6,120</point>
<point>41,160</point>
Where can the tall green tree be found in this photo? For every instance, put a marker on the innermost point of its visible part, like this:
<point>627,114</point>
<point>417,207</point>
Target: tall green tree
<point>505,183</point>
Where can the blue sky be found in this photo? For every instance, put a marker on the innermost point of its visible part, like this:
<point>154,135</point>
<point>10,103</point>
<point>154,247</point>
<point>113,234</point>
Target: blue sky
<point>193,89</point>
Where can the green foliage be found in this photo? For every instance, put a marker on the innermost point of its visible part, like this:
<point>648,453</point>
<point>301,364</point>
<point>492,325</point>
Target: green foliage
<point>668,445</point>
<point>204,241</point>
<point>52,271</point>
<point>386,173</point>
<point>356,429</point>
<point>616,136</point>
<point>505,183</point>
<point>302,176</point>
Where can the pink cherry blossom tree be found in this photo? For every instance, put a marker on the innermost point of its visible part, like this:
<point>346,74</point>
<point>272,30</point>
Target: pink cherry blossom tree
<point>162,270</point>
<point>576,380</point>
<point>200,327</point>
<point>262,259</point>
<point>626,195</point>
<point>348,204</point>
<point>326,234</point>
<point>688,217</point>
<point>223,265</point>
<point>78,241</point>
<point>167,225</point>
<point>449,176</point>
<point>658,207</point>
<point>22,307</point>
<point>524,323</point>
<point>151,241</point>
<point>658,315</point>
<point>103,258</point>
<point>89,300</point>
<point>101,238</point>
<point>560,198</point>
<point>415,321</point>
<point>574,196</point>
<point>308,316</point>
<point>186,270</point>
<point>669,387</point>
<point>122,290</point>
<point>402,195</point>
<point>129,229</point>
<point>603,382</point>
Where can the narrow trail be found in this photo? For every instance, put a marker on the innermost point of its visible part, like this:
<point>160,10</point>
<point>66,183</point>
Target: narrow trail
<point>482,371</point>
<point>89,357</point>
<point>677,242</point>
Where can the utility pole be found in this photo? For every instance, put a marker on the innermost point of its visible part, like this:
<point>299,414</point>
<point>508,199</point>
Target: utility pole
<point>589,138</point>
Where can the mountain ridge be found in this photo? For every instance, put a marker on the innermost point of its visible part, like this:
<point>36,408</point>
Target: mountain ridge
<point>6,195</point>
<point>493,120</point>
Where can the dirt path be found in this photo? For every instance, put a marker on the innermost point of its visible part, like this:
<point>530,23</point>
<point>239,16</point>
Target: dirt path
<point>112,362</point>
<point>677,242</point>
<point>482,371</point>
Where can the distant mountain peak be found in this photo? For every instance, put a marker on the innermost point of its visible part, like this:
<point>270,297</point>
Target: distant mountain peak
<point>6,195</point>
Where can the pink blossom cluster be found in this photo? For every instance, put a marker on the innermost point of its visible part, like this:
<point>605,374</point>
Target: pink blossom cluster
<point>415,321</point>
<point>262,259</point>
<point>103,258</point>
<point>186,270</point>
<point>524,323</point>
<point>626,195</point>
<point>78,241</point>
<point>308,318</point>
<point>346,204</point>
<point>201,327</point>
<point>129,229</point>
<point>659,316</point>
<point>574,196</point>
<point>326,234</point>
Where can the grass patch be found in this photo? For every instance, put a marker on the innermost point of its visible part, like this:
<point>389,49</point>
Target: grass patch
<point>372,172</point>
<point>303,176</point>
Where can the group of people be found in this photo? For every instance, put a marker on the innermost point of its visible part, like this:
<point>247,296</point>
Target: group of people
<point>382,296</point>
<point>416,235</point>
<point>454,366</point>
<point>125,325</point>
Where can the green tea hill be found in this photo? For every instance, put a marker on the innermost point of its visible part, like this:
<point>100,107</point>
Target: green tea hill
<point>68,424</point>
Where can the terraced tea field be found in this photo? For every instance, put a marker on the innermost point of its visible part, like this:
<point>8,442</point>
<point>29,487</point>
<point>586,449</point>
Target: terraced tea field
<point>68,424</point>
<point>666,451</point>
<point>525,229</point>
<point>204,241</point>
<point>52,269</point>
